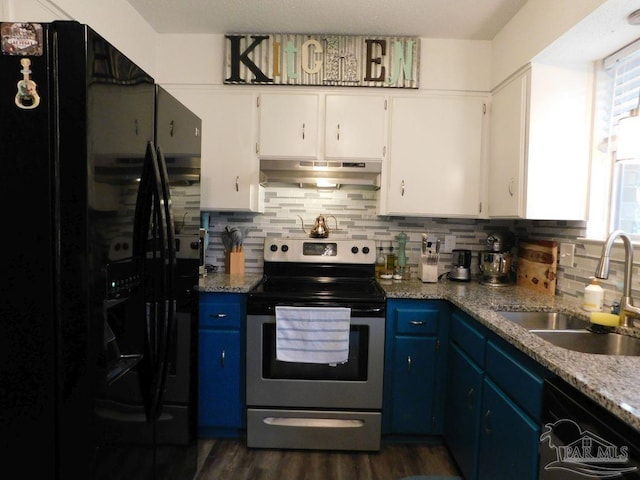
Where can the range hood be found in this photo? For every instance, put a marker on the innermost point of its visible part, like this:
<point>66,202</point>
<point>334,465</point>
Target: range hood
<point>321,174</point>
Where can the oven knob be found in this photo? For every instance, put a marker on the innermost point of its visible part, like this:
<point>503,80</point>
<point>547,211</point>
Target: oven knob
<point>365,250</point>
<point>285,248</point>
<point>273,248</point>
<point>354,250</point>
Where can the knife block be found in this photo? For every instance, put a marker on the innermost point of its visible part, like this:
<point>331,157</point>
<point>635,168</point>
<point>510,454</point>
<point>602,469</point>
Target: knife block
<point>234,262</point>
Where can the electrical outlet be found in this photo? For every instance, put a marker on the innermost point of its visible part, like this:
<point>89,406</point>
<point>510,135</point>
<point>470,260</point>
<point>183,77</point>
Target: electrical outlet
<point>449,244</point>
<point>567,252</point>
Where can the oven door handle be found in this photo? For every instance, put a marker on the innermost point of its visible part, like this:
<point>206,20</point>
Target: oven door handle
<point>362,312</point>
<point>368,310</point>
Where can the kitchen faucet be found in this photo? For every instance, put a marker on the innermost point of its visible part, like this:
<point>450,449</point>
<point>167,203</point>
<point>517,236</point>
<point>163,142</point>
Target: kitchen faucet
<point>627,310</point>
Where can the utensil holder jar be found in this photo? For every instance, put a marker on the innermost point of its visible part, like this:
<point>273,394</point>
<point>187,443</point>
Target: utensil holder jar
<point>234,262</point>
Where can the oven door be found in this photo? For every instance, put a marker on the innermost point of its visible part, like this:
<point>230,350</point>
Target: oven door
<point>356,384</point>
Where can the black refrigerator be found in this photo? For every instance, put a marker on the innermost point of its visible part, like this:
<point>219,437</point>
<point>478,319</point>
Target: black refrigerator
<point>100,191</point>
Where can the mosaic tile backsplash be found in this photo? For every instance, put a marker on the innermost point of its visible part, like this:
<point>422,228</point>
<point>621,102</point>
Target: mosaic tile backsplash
<point>355,212</point>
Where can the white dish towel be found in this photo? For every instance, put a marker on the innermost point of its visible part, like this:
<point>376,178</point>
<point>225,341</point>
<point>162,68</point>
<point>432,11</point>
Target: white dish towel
<point>312,334</point>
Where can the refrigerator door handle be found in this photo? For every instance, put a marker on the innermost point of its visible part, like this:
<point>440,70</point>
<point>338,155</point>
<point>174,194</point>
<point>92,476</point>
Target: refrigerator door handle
<point>168,296</point>
<point>151,248</point>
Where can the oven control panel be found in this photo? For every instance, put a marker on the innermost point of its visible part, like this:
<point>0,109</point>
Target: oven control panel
<point>319,250</point>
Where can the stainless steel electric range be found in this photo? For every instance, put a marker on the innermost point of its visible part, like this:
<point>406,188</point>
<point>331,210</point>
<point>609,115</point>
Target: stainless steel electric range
<point>307,404</point>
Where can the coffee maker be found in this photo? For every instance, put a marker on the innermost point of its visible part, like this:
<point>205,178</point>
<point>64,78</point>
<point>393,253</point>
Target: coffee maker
<point>460,265</point>
<point>495,262</point>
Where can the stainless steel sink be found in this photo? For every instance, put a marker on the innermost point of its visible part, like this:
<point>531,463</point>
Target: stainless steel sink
<point>546,320</point>
<point>589,342</point>
<point>570,332</point>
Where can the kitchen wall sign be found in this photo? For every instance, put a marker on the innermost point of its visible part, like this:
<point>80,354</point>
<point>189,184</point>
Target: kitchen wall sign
<point>322,60</point>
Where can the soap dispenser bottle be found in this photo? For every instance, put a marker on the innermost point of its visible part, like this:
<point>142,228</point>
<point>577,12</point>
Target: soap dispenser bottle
<point>593,297</point>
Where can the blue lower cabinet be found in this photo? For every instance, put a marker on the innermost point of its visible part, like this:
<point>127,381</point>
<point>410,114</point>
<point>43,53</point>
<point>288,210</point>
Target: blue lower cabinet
<point>462,414</point>
<point>414,379</point>
<point>494,403</point>
<point>415,362</point>
<point>509,438</point>
<point>222,404</point>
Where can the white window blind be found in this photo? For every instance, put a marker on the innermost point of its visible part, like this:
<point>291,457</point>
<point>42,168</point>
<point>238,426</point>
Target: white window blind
<point>623,69</point>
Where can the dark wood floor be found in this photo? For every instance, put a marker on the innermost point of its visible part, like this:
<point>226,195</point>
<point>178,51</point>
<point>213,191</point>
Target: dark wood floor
<point>230,459</point>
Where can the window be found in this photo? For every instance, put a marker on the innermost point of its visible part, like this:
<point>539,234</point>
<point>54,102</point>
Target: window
<point>619,89</point>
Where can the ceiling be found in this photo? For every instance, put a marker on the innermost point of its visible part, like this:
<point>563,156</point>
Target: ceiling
<point>460,19</point>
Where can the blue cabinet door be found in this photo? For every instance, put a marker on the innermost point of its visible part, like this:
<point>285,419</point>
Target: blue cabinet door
<point>221,397</point>
<point>414,385</point>
<point>462,413</point>
<point>509,439</point>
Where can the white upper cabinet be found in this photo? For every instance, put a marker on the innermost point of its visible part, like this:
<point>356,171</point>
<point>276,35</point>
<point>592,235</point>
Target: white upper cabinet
<point>355,127</point>
<point>288,126</point>
<point>229,168</point>
<point>539,147</point>
<point>435,156</point>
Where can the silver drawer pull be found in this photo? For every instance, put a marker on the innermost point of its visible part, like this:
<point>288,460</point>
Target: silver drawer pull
<point>222,358</point>
<point>487,422</point>
<point>408,363</point>
<point>219,315</point>
<point>417,323</point>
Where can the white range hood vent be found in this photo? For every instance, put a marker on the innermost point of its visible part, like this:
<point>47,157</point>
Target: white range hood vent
<point>321,174</point>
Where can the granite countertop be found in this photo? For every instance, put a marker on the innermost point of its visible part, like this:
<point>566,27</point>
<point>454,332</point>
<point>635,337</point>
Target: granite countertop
<point>612,381</point>
<point>227,283</point>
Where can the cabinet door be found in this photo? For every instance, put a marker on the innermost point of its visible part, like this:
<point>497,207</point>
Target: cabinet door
<point>178,130</point>
<point>355,127</point>
<point>288,126</point>
<point>414,375</point>
<point>507,149</point>
<point>221,397</point>
<point>230,169</point>
<point>462,417</point>
<point>435,156</point>
<point>509,439</point>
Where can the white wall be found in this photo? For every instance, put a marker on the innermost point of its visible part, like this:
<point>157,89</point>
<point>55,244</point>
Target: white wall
<point>116,20</point>
<point>537,25</point>
<point>444,64</point>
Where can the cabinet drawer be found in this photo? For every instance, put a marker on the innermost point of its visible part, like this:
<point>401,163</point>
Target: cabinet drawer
<point>417,321</point>
<point>221,314</point>
<point>468,338</point>
<point>523,385</point>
